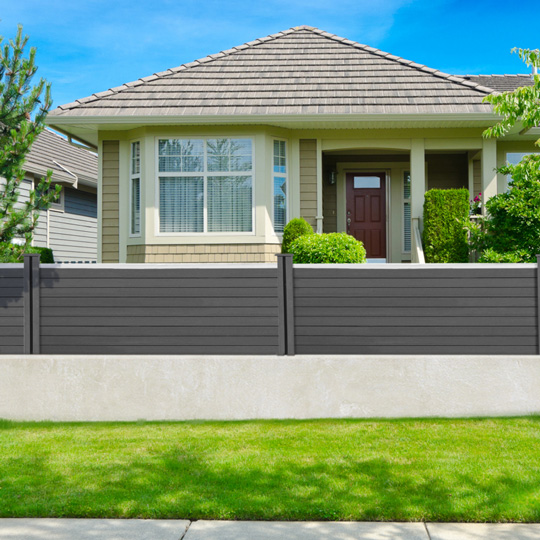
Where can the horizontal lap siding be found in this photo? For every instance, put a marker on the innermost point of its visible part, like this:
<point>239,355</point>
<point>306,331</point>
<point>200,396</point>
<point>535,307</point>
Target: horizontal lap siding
<point>416,311</point>
<point>11,311</point>
<point>154,311</point>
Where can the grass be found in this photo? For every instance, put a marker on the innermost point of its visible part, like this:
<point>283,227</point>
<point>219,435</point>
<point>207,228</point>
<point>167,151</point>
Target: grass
<point>404,470</point>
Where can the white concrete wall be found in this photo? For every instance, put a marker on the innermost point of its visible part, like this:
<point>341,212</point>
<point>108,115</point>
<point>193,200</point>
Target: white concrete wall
<point>239,387</point>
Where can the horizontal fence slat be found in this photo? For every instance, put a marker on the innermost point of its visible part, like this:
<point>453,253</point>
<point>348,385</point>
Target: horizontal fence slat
<point>429,292</point>
<point>11,349</point>
<point>382,341</point>
<point>162,321</point>
<point>153,273</point>
<point>136,292</point>
<point>476,272</point>
<point>150,312</point>
<point>152,349</point>
<point>160,283</point>
<point>414,321</point>
<point>416,349</point>
<point>455,331</point>
<point>167,301</point>
<point>464,283</point>
<point>396,311</point>
<point>179,341</point>
<point>415,301</point>
<point>153,331</point>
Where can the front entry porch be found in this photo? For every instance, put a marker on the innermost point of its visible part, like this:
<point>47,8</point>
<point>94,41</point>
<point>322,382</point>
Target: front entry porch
<point>377,194</point>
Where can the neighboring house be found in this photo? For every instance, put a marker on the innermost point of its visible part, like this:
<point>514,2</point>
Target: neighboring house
<point>209,160</point>
<point>69,226</point>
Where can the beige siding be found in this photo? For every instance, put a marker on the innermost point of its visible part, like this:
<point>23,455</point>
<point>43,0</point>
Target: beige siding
<point>110,202</point>
<point>477,178</point>
<point>215,253</point>
<point>308,181</point>
<point>329,208</point>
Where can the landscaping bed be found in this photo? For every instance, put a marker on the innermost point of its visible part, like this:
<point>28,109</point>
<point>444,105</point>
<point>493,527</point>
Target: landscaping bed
<point>391,470</point>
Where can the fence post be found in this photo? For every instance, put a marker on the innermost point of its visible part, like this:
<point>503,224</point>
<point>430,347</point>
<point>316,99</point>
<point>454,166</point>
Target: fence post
<point>31,304</point>
<point>285,304</point>
<point>538,300</point>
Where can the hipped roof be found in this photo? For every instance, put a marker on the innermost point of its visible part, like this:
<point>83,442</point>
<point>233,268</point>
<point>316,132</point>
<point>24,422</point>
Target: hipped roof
<point>300,71</point>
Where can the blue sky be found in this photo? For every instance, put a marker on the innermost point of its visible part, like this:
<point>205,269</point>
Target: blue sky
<point>86,47</point>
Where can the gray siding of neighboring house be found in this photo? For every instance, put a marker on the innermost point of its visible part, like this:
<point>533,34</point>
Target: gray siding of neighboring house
<point>73,232</point>
<point>40,232</point>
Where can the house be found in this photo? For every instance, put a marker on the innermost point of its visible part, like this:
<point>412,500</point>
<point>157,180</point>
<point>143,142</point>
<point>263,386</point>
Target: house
<point>206,162</point>
<point>69,226</point>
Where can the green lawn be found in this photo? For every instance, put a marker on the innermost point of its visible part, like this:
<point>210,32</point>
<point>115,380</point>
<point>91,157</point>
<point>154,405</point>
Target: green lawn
<point>406,470</point>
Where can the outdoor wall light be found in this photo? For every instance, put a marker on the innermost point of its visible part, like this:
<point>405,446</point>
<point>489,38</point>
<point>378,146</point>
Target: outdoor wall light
<point>332,178</point>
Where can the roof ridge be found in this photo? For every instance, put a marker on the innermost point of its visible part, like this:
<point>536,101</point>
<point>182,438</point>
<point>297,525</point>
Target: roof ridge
<point>228,52</point>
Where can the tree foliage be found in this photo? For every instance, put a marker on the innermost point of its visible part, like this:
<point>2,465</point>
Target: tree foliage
<point>521,105</point>
<point>19,102</point>
<point>511,231</point>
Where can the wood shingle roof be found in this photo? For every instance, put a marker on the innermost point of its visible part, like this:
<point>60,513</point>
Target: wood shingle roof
<point>299,71</point>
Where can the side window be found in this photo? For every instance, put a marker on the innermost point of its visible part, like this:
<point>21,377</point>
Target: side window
<point>280,185</point>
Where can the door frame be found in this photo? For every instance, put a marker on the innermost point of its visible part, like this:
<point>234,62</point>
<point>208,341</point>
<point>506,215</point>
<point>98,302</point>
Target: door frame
<point>343,169</point>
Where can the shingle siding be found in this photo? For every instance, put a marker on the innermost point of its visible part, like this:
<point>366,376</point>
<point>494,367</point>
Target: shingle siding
<point>308,181</point>
<point>110,202</point>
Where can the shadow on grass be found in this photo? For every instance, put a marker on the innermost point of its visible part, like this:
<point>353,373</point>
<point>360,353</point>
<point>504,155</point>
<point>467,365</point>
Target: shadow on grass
<point>187,484</point>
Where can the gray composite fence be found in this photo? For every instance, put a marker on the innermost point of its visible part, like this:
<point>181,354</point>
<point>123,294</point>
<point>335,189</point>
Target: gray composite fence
<point>269,309</point>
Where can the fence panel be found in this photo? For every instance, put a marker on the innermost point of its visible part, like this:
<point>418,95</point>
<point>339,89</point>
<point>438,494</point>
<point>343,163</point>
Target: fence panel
<point>11,309</point>
<point>153,310</point>
<point>478,309</point>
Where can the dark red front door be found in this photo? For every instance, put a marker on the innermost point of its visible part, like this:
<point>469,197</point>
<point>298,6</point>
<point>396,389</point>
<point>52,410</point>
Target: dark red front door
<point>366,211</point>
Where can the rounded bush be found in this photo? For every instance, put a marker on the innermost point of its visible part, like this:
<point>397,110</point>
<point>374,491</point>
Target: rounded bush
<point>296,228</point>
<point>332,248</point>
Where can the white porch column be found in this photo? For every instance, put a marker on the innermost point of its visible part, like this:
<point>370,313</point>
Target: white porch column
<point>489,173</point>
<point>319,217</point>
<point>418,178</point>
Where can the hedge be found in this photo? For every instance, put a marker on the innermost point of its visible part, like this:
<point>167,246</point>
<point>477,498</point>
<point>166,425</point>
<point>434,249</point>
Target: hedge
<point>446,212</point>
<point>331,248</point>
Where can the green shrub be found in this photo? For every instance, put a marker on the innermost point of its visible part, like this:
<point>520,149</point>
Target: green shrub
<point>511,229</point>
<point>327,248</point>
<point>491,256</point>
<point>446,213</point>
<point>294,229</point>
<point>13,253</point>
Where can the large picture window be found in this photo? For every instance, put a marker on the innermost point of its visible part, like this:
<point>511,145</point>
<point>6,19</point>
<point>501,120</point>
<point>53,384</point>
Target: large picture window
<point>280,185</point>
<point>205,185</point>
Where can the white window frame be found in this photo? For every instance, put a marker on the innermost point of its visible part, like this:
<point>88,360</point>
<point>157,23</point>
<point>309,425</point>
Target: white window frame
<point>281,175</point>
<point>204,173</point>
<point>60,204</point>
<point>134,176</point>
<point>403,201</point>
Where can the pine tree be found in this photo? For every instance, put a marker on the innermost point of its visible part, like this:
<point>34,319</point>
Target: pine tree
<point>19,101</point>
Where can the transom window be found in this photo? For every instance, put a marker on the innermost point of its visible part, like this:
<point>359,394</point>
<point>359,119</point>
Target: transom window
<point>205,185</point>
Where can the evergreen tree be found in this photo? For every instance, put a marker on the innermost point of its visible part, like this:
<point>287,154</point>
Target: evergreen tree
<point>23,109</point>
